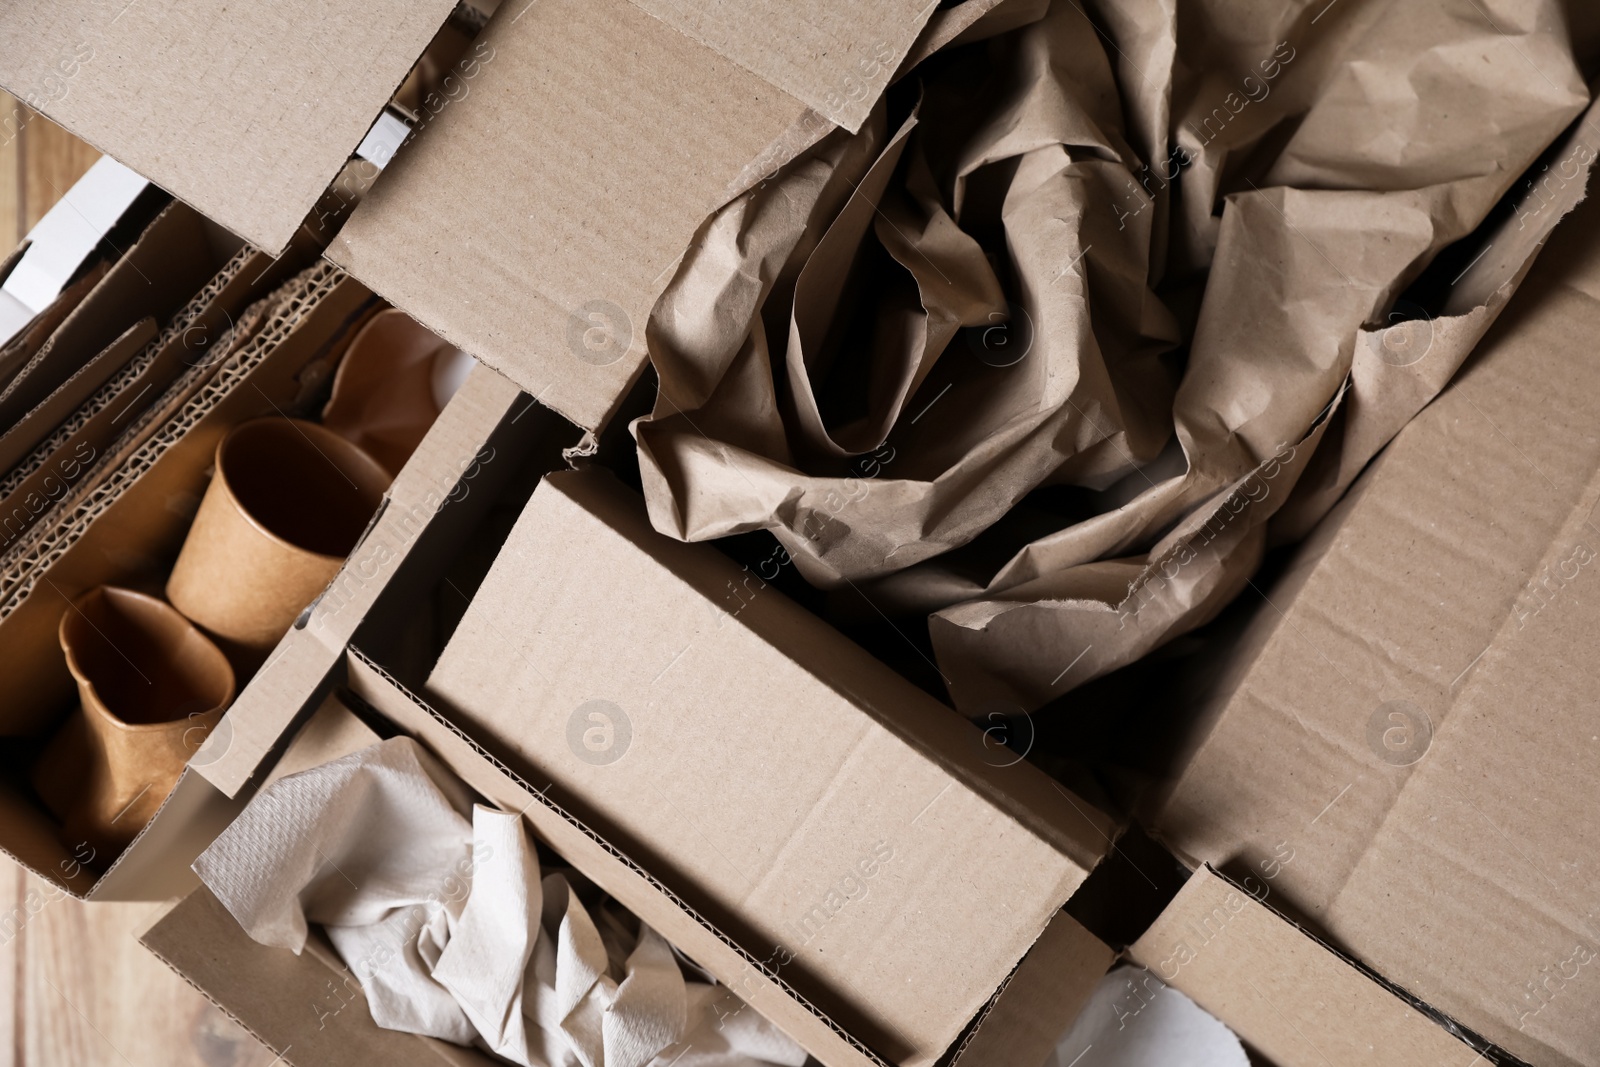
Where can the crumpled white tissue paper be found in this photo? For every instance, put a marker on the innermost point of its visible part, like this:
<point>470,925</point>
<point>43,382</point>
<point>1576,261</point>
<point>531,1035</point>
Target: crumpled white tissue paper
<point>452,933</point>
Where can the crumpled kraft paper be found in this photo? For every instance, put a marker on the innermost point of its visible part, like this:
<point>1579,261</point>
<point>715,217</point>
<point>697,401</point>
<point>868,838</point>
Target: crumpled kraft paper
<point>1201,230</point>
<point>447,925</point>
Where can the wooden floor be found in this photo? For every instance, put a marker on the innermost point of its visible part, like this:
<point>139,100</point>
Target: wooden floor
<point>76,990</point>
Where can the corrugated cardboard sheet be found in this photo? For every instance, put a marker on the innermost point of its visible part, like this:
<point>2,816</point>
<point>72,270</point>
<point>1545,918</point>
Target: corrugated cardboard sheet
<point>601,133</point>
<point>246,111</point>
<point>1412,720</point>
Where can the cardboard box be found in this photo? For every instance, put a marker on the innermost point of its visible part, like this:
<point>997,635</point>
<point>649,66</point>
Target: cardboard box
<point>1410,716</point>
<point>310,1010</point>
<point>575,176</point>
<point>233,345</point>
<point>747,756</point>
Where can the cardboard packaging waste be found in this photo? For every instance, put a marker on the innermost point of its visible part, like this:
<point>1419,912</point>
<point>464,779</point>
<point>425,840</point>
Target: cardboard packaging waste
<point>597,171</point>
<point>1411,712</point>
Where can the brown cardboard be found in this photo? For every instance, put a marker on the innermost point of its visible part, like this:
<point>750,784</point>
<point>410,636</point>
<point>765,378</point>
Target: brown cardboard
<point>246,112</point>
<point>1041,998</point>
<point>1058,971</point>
<point>22,436</point>
<point>761,754</point>
<point>1283,993</point>
<point>601,134</point>
<point>174,256</point>
<point>1410,717</point>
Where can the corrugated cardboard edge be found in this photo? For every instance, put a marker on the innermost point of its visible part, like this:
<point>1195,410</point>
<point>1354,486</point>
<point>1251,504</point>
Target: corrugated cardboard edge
<point>1349,1014</point>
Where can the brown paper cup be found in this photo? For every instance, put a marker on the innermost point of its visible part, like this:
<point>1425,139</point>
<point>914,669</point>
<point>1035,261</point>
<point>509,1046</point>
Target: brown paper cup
<point>288,502</point>
<point>150,686</point>
<point>391,385</point>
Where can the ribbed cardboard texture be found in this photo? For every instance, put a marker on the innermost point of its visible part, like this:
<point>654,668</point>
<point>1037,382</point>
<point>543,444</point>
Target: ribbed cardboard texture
<point>1412,717</point>
<point>600,134</point>
<point>1286,995</point>
<point>749,756</point>
<point>247,112</point>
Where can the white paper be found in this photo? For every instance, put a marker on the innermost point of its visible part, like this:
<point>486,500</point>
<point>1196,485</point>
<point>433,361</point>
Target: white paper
<point>451,932</point>
<point>1134,1020</point>
<point>66,235</point>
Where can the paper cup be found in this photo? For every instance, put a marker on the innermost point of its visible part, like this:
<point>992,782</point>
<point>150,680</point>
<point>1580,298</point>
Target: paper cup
<point>151,687</point>
<point>288,502</point>
<point>393,382</point>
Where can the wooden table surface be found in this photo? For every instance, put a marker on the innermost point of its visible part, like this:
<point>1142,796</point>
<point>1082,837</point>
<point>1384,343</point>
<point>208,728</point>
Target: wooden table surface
<point>76,989</point>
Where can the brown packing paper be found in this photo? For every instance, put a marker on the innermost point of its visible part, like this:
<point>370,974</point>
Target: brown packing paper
<point>287,503</point>
<point>150,688</point>
<point>1330,205</point>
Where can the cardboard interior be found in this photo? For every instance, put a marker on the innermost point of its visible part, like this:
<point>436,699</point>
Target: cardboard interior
<point>1288,997</point>
<point>1410,717</point>
<point>245,112</point>
<point>593,171</point>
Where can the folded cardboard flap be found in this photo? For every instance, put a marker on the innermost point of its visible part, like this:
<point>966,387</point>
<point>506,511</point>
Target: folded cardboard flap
<point>762,981</point>
<point>601,134</point>
<point>785,783</point>
<point>1283,992</point>
<point>246,112</point>
<point>1390,751</point>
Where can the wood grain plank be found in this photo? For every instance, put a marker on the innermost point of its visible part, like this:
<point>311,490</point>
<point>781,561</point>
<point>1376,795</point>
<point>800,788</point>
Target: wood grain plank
<point>11,228</point>
<point>92,995</point>
<point>52,159</point>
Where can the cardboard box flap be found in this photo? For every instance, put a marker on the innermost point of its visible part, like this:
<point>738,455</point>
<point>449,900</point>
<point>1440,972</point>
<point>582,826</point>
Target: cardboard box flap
<point>1448,739</point>
<point>834,55</point>
<point>245,111</point>
<point>757,760</point>
<point>1284,993</point>
<point>600,137</point>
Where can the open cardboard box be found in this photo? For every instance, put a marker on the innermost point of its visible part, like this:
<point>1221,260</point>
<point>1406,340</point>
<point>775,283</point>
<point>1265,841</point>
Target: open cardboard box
<point>561,169</point>
<point>241,336</point>
<point>1411,713</point>
<point>310,1010</point>
<point>755,738</point>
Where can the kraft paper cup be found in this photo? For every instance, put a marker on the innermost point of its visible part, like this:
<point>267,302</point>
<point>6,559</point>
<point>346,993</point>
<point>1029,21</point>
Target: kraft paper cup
<point>288,502</point>
<point>393,382</point>
<point>151,687</point>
